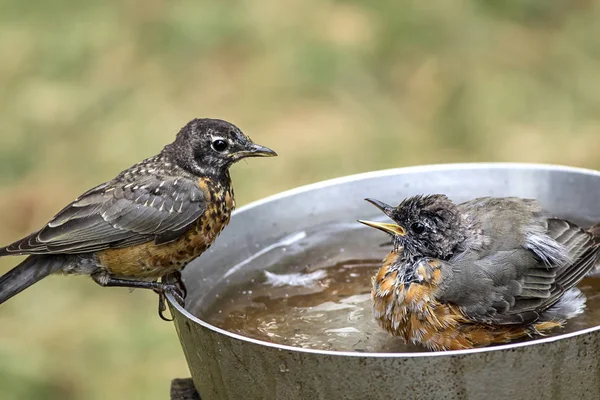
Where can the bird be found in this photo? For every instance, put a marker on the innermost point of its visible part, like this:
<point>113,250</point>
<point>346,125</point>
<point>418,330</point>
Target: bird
<point>147,223</point>
<point>482,272</point>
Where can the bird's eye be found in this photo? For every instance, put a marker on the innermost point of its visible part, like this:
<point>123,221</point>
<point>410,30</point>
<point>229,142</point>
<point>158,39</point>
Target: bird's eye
<point>219,145</point>
<point>417,228</point>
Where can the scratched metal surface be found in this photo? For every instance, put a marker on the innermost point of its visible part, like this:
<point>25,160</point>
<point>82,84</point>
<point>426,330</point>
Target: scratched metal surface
<point>228,366</point>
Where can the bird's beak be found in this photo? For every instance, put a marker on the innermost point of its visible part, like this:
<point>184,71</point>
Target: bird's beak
<point>392,229</point>
<point>255,150</point>
<point>386,208</point>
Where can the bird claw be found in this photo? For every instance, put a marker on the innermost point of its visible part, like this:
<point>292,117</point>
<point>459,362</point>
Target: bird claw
<point>172,284</point>
<point>162,307</point>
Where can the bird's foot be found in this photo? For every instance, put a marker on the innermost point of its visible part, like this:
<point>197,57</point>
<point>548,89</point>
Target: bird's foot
<point>169,284</point>
<point>172,284</point>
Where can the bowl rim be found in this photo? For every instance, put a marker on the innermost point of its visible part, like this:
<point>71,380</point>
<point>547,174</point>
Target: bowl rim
<point>388,172</point>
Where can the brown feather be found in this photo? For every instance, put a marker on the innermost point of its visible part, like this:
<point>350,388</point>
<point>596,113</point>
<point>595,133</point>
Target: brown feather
<point>413,314</point>
<point>152,261</point>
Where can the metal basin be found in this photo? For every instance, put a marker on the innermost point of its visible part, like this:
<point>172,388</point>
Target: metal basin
<point>228,366</point>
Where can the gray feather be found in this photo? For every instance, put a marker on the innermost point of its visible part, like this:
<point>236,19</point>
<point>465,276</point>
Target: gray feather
<point>505,277</point>
<point>547,249</point>
<point>119,214</point>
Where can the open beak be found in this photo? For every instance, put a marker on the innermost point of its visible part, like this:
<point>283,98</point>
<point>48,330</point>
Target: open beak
<point>255,150</point>
<point>387,228</point>
<point>386,208</point>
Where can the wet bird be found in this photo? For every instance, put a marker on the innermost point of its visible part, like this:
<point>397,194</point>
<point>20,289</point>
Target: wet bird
<point>485,271</point>
<point>146,223</point>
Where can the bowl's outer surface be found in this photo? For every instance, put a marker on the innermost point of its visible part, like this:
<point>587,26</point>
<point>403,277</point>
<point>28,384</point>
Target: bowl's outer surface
<point>228,366</point>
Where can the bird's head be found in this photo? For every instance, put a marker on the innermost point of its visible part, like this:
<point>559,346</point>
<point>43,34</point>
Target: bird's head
<point>424,226</point>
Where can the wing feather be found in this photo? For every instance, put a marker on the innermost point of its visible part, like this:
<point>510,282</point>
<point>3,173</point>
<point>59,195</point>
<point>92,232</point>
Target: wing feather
<point>118,214</point>
<point>518,286</point>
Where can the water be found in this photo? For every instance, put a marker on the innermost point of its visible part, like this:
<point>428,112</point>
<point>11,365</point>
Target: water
<point>330,313</point>
<point>317,296</point>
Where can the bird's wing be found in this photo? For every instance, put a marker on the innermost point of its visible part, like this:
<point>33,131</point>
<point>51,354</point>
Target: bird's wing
<point>583,249</point>
<point>118,214</point>
<point>516,286</point>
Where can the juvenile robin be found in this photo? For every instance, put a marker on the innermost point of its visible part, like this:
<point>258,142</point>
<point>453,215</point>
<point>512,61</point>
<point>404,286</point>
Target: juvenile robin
<point>477,273</point>
<point>149,221</point>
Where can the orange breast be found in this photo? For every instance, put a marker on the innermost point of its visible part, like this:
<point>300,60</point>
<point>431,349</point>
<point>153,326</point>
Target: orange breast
<point>149,261</point>
<point>413,313</point>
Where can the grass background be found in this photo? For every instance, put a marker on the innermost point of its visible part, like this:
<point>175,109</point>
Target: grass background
<point>336,87</point>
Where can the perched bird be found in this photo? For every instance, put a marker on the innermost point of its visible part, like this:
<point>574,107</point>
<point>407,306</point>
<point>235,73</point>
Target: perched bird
<point>486,271</point>
<point>149,221</point>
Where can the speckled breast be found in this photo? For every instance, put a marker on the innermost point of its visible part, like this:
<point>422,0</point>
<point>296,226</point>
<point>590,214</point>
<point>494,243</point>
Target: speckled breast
<point>150,261</point>
<point>410,311</point>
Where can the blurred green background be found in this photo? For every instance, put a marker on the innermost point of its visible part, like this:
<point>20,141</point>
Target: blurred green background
<point>336,87</point>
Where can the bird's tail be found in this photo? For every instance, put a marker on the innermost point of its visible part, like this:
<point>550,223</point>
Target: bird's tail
<point>31,270</point>
<point>570,305</point>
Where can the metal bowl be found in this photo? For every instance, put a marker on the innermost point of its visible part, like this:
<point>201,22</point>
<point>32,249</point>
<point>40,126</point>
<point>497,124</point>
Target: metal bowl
<point>229,366</point>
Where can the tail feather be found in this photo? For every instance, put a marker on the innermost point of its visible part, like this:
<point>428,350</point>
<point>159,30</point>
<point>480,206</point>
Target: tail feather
<point>30,271</point>
<point>570,305</point>
<point>4,251</point>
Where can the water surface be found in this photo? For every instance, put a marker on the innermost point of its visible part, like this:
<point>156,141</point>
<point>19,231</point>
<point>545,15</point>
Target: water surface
<point>315,294</point>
